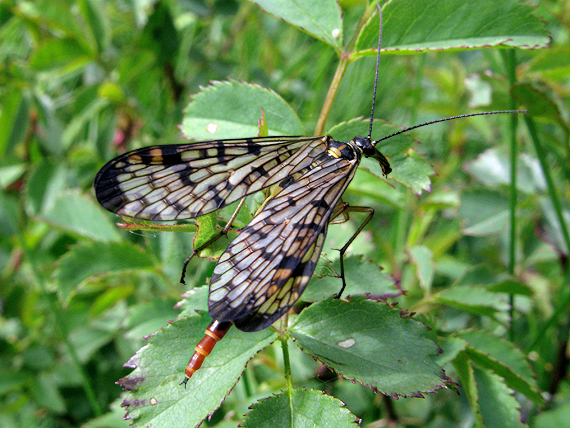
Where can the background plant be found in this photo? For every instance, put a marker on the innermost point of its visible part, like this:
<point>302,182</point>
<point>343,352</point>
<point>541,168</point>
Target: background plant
<point>85,80</point>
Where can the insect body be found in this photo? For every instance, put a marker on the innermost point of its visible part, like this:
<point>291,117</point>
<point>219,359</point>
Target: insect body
<point>266,268</point>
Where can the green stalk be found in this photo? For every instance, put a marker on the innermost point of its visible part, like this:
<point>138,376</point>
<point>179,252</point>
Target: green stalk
<point>331,95</point>
<point>286,363</point>
<point>246,383</point>
<point>510,61</point>
<point>287,368</point>
<point>565,300</point>
<point>345,59</point>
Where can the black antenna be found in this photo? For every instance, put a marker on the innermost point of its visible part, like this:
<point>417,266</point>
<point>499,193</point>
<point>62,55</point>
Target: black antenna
<point>377,65</point>
<point>446,119</point>
<point>421,124</point>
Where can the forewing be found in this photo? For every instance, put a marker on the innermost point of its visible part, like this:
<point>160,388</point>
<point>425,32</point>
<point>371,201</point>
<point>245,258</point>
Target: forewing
<point>181,181</point>
<point>267,267</point>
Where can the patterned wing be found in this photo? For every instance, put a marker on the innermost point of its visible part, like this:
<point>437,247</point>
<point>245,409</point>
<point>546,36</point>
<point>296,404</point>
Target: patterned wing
<point>182,181</point>
<point>267,267</point>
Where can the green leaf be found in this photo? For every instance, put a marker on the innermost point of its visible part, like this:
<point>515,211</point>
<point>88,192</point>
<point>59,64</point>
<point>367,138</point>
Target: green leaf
<point>87,340</point>
<point>81,120</point>
<point>504,359</point>
<point>96,23</point>
<point>155,395</point>
<point>243,217</point>
<point>299,408</point>
<point>89,221</point>
<point>148,317</point>
<point>195,299</point>
<point>492,169</point>
<point>511,286</point>
<point>207,228</point>
<point>64,53</point>
<point>160,34</point>
<point>477,274</point>
<point>232,110</point>
<point>554,232</point>
<point>368,185</point>
<point>422,257</point>
<point>10,174</point>
<point>540,101</point>
<point>45,390</point>
<point>14,119</point>
<point>556,417</point>
<point>485,212</point>
<point>553,62</point>
<point>44,186</point>
<point>413,171</point>
<point>467,375</point>
<point>421,25</point>
<point>362,277</point>
<point>87,260</point>
<point>498,407</point>
<point>59,17</point>
<point>476,300</point>
<point>321,19</point>
<point>451,347</point>
<point>52,127</point>
<point>8,215</point>
<point>371,343</point>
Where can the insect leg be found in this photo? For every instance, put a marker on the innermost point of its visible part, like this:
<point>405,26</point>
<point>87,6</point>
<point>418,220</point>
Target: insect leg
<point>206,244</point>
<point>340,209</point>
<point>343,208</point>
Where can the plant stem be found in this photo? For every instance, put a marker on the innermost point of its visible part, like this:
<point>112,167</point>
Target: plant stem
<point>339,73</point>
<point>510,62</point>
<point>331,95</point>
<point>286,362</point>
<point>565,300</point>
<point>246,383</point>
<point>287,368</point>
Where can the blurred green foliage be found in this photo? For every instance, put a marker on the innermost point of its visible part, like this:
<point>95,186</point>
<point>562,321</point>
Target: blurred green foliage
<point>82,81</point>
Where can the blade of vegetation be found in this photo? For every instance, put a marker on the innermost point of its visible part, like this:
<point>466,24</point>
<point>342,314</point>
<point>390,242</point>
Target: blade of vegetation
<point>540,102</point>
<point>457,24</point>
<point>155,395</point>
<point>362,277</point>
<point>492,169</point>
<point>486,212</point>
<point>498,407</point>
<point>90,222</point>
<point>299,408</point>
<point>219,111</point>
<point>321,19</point>
<point>422,257</point>
<point>88,260</point>
<point>371,343</point>
<point>476,300</point>
<point>501,356</point>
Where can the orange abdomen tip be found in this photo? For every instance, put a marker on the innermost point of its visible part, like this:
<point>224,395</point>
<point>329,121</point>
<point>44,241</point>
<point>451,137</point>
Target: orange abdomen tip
<point>213,334</point>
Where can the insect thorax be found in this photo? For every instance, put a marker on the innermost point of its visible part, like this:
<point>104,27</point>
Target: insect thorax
<point>348,150</point>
